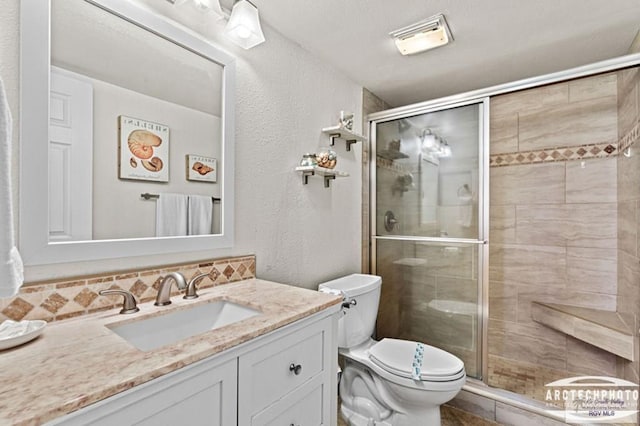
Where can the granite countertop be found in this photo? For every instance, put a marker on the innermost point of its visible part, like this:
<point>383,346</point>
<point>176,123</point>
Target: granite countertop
<point>79,361</point>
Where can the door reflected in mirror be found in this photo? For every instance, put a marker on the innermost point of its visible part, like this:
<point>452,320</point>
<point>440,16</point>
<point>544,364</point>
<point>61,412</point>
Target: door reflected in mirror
<point>127,110</point>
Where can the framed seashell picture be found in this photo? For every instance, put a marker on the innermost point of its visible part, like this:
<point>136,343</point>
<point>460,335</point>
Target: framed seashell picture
<point>202,169</point>
<point>143,150</point>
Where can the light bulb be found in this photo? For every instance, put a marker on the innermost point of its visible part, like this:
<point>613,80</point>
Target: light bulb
<point>429,141</point>
<point>243,27</point>
<point>209,6</point>
<point>445,150</point>
<point>243,32</point>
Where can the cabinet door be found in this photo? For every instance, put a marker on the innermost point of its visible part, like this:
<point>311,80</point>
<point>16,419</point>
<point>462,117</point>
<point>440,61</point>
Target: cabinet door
<point>275,370</point>
<point>198,395</point>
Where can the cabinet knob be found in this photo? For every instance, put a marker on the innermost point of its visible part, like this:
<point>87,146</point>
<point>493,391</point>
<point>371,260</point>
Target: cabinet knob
<point>295,368</point>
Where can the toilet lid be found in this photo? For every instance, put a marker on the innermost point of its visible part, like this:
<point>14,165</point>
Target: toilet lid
<point>397,357</point>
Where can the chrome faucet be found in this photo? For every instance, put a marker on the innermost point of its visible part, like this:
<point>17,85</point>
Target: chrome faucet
<point>164,291</point>
<point>190,292</point>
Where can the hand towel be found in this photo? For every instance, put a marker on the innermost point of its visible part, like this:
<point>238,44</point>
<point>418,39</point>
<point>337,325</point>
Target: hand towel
<point>333,291</point>
<point>171,215</point>
<point>11,269</point>
<point>200,215</point>
<point>465,206</point>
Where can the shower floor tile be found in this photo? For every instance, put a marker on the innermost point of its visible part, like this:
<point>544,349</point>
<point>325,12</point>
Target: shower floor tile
<point>450,417</point>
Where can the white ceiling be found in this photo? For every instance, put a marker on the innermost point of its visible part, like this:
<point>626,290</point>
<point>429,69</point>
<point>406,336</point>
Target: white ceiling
<point>496,41</point>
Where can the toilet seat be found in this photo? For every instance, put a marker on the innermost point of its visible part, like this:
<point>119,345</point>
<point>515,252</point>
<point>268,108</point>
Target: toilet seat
<point>397,357</point>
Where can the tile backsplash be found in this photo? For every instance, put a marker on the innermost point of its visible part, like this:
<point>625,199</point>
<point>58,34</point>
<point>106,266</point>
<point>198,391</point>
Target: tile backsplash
<point>60,300</point>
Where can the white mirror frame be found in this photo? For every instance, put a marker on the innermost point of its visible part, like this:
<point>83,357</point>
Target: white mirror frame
<point>34,136</point>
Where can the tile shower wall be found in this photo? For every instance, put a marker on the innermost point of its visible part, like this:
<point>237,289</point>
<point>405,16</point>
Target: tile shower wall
<point>553,227</point>
<point>60,300</point>
<point>628,163</point>
<point>370,104</point>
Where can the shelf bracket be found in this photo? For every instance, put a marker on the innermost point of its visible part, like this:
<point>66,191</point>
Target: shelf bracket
<point>333,137</point>
<point>349,143</point>
<point>305,177</point>
<point>328,179</point>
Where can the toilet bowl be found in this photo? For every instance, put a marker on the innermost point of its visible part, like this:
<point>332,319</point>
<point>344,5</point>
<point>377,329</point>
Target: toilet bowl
<point>391,382</point>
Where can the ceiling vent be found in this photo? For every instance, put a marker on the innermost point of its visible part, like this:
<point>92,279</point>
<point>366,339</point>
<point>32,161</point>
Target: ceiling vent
<point>424,35</point>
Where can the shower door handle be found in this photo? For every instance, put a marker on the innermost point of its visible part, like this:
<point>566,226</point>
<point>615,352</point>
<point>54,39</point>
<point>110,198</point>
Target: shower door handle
<point>390,221</point>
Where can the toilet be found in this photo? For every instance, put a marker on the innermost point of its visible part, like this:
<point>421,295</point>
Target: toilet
<point>391,382</point>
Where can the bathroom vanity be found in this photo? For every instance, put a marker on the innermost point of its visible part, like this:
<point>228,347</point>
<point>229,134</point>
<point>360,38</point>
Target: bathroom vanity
<point>277,366</point>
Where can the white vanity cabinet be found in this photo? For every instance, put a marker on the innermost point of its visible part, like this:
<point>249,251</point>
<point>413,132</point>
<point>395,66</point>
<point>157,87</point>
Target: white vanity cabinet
<point>286,377</point>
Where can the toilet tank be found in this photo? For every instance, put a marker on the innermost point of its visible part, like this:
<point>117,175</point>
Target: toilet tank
<point>358,322</point>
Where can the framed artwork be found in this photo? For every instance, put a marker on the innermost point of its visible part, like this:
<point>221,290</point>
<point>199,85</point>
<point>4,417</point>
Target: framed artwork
<point>202,169</point>
<point>143,150</point>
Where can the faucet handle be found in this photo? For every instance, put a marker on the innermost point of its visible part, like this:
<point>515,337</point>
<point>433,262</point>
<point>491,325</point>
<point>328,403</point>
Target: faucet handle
<point>190,292</point>
<point>129,303</point>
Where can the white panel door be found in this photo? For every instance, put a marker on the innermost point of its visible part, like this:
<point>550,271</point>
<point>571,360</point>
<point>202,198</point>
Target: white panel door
<point>70,158</point>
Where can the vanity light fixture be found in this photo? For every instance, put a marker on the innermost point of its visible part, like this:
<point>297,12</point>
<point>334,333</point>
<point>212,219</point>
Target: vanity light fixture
<point>429,140</point>
<point>424,35</point>
<point>243,27</point>
<point>433,145</point>
<point>243,23</point>
<point>445,149</point>
<point>209,6</point>
<point>204,5</point>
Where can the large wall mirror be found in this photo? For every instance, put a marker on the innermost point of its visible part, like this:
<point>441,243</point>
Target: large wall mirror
<point>126,134</point>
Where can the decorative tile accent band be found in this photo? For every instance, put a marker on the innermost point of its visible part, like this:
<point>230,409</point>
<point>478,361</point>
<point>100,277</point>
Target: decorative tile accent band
<point>385,163</point>
<point>66,299</point>
<point>627,140</point>
<point>583,152</point>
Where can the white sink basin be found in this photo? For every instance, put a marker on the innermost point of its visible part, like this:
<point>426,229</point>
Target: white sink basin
<point>155,332</point>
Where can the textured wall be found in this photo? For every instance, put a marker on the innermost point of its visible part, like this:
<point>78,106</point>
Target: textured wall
<point>629,202</point>
<point>553,229</point>
<point>300,234</point>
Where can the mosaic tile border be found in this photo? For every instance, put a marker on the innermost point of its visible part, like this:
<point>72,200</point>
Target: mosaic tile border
<point>629,139</point>
<point>71,298</point>
<point>571,153</point>
<point>385,163</point>
<point>583,152</point>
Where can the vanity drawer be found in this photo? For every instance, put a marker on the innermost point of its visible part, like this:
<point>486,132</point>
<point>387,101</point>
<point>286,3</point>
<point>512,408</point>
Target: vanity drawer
<point>275,369</point>
<point>304,407</point>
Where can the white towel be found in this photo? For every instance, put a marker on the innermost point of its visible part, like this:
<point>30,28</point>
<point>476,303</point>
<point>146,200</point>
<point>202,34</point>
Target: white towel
<point>171,215</point>
<point>200,215</point>
<point>11,269</point>
<point>465,206</point>
<point>333,291</point>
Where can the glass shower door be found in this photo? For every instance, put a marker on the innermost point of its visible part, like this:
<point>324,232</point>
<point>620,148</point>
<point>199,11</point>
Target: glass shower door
<point>429,228</point>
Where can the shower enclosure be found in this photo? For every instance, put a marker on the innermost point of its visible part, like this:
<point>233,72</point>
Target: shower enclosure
<point>429,225</point>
